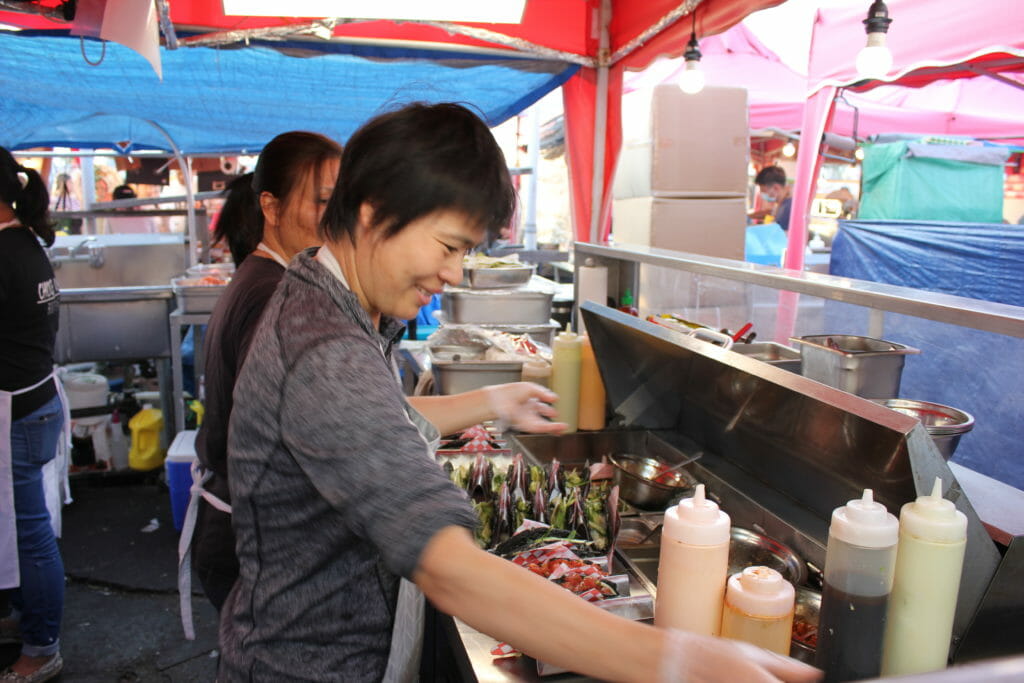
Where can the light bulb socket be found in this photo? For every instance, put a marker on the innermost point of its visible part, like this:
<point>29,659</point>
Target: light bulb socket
<point>878,18</point>
<point>692,53</point>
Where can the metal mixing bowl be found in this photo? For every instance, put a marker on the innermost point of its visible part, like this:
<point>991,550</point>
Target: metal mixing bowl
<point>944,424</point>
<point>808,605</point>
<point>751,549</point>
<point>635,476</point>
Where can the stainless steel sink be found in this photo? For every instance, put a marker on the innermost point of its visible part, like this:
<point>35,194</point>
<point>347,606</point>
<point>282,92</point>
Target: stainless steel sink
<point>115,295</point>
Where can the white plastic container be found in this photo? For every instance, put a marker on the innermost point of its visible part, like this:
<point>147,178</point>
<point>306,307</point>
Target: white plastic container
<point>693,566</point>
<point>86,390</point>
<point>929,561</point>
<point>758,609</point>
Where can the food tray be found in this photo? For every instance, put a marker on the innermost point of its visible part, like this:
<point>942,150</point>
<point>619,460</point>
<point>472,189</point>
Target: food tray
<point>505,307</point>
<point>195,298</point>
<point>499,276</point>
<point>455,377</point>
<point>773,353</point>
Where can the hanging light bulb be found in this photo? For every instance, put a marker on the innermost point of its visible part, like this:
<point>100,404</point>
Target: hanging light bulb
<point>874,60</point>
<point>858,154</point>
<point>788,150</point>
<point>691,81</point>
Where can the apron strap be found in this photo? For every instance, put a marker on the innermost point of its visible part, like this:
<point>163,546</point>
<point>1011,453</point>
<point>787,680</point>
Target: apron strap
<point>199,478</point>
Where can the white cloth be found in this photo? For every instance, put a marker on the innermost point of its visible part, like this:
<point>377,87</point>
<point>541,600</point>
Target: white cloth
<point>199,478</point>
<point>55,473</point>
<point>262,246</point>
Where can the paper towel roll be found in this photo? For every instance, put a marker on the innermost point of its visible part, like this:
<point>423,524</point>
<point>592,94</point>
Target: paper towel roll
<point>591,285</point>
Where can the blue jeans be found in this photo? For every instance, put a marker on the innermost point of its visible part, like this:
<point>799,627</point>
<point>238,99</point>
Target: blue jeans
<point>40,598</point>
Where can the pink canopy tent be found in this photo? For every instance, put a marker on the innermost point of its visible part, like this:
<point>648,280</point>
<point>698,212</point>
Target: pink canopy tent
<point>976,107</point>
<point>939,40</point>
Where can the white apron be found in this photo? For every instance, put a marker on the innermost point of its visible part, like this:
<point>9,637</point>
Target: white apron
<point>200,477</point>
<point>55,474</point>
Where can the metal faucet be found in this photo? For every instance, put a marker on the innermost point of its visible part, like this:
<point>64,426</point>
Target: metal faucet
<point>87,247</point>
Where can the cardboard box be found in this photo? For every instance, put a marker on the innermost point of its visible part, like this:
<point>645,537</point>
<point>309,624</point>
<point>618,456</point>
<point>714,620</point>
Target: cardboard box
<point>712,227</point>
<point>679,145</point>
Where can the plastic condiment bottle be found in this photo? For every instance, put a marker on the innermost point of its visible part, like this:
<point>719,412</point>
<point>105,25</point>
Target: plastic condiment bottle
<point>933,536</point>
<point>626,303</point>
<point>566,358</point>
<point>538,372</point>
<point>859,564</point>
<point>758,609</point>
<point>592,394</point>
<point>693,566</point>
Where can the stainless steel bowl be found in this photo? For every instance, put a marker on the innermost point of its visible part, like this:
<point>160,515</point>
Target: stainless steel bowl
<point>635,476</point>
<point>808,605</point>
<point>944,424</point>
<point>751,549</point>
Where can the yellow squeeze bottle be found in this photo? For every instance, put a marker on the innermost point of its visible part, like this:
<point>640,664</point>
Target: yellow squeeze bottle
<point>566,359</point>
<point>592,393</point>
<point>929,561</point>
<point>759,605</point>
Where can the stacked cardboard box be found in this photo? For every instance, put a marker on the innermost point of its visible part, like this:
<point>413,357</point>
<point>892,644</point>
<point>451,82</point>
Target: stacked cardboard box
<point>681,180</point>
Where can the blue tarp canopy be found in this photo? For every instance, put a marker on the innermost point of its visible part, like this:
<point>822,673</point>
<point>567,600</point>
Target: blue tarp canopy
<point>231,100</point>
<point>979,372</point>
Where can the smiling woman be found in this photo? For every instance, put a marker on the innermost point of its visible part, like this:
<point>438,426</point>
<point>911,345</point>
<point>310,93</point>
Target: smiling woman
<point>334,491</point>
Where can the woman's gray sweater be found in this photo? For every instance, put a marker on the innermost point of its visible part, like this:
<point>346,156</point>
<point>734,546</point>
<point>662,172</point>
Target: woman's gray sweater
<point>334,491</point>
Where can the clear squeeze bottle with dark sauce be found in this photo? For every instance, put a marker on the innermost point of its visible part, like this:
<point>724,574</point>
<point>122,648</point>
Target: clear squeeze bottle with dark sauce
<point>859,565</point>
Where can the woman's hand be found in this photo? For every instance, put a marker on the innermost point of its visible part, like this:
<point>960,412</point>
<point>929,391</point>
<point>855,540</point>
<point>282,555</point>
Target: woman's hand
<point>689,658</point>
<point>525,406</point>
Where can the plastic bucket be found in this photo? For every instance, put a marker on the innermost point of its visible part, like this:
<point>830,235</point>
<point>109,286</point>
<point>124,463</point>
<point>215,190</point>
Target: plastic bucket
<point>86,390</point>
<point>145,453</point>
<point>178,465</point>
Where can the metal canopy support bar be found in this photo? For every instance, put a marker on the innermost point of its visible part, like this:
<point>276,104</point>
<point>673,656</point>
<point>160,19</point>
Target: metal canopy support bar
<point>945,308</point>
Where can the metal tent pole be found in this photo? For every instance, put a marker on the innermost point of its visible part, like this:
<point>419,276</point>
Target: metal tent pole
<point>600,122</point>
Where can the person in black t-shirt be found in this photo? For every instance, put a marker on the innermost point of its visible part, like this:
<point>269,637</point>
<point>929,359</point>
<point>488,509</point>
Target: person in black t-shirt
<point>31,420</point>
<point>269,216</point>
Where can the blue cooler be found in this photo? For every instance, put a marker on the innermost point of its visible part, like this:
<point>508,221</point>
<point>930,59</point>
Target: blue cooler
<point>180,457</point>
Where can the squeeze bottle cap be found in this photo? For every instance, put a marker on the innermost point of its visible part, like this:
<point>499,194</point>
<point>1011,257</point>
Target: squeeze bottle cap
<point>567,335</point>
<point>864,522</point>
<point>933,518</point>
<point>696,521</point>
<point>761,592</point>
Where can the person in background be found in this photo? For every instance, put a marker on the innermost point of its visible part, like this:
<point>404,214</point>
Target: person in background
<point>334,487</point>
<point>31,422</point>
<point>125,222</point>
<point>771,180</point>
<point>269,216</point>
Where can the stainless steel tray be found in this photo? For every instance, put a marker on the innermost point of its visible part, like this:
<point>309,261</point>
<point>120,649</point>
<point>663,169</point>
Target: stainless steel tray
<point>506,307</point>
<point>455,377</point>
<point>196,298</point>
<point>773,353</point>
<point>501,276</point>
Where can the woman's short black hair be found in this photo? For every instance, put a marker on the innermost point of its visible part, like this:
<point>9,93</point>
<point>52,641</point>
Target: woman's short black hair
<point>25,192</point>
<point>282,165</point>
<point>417,160</point>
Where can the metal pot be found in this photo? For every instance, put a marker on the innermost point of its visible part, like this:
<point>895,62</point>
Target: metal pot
<point>635,476</point>
<point>944,424</point>
<point>751,549</point>
<point>808,605</point>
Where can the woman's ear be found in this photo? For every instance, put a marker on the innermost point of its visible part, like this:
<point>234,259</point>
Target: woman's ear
<point>366,220</point>
<point>271,208</point>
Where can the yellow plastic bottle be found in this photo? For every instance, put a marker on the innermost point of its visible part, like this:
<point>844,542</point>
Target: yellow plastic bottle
<point>759,605</point>
<point>592,394</point>
<point>566,352</point>
<point>929,561</point>
<point>146,453</point>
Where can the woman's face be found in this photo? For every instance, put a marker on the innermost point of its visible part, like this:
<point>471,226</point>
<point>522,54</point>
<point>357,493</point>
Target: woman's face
<point>295,221</point>
<point>396,276</point>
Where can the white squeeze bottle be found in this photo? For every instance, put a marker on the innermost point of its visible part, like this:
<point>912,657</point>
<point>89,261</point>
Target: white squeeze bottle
<point>929,560</point>
<point>693,566</point>
<point>759,605</point>
<point>566,359</point>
